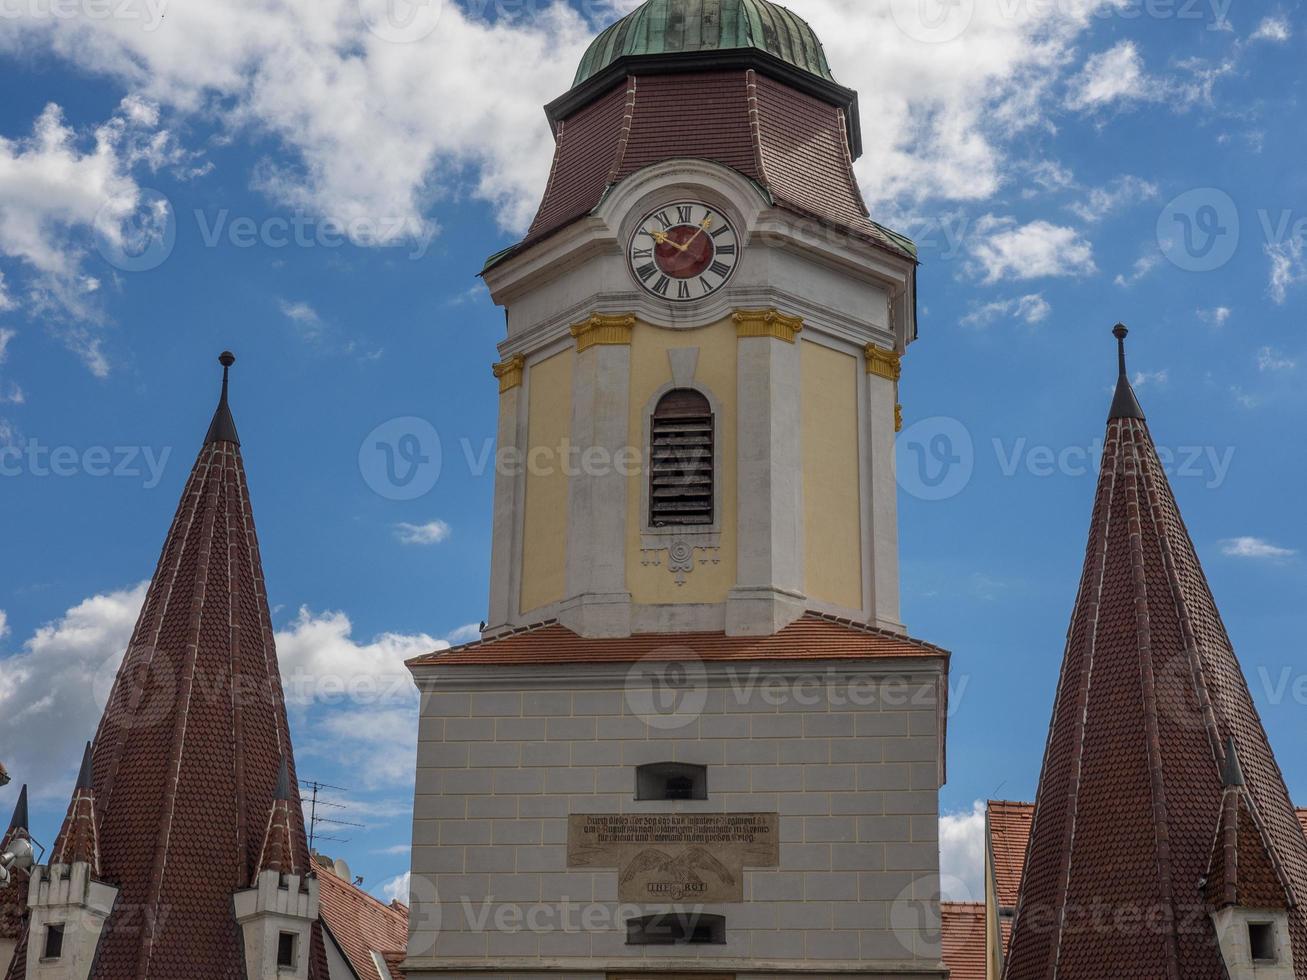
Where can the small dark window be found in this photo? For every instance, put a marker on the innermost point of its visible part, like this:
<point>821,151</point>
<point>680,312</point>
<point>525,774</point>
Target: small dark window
<point>54,942</point>
<point>1261,941</point>
<point>681,461</point>
<point>286,950</point>
<point>676,929</point>
<point>671,781</point>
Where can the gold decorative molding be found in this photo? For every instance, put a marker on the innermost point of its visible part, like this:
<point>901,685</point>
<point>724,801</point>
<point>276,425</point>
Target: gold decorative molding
<point>510,372</point>
<point>767,323</point>
<point>603,328</point>
<point>898,418</point>
<point>884,363</point>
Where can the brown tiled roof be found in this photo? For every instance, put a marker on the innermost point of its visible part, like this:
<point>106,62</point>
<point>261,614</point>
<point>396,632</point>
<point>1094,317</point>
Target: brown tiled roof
<point>812,637</point>
<point>1242,871</point>
<point>1302,819</point>
<point>963,939</point>
<point>13,897</point>
<point>1131,790</point>
<point>362,925</point>
<point>395,963</point>
<point>187,756</point>
<point>794,145</point>
<point>1008,829</point>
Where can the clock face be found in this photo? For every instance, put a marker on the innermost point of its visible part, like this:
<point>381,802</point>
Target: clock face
<point>684,252</point>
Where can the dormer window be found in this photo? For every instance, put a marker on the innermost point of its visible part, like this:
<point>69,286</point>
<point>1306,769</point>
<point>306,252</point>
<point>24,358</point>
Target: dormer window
<point>682,478</point>
<point>671,781</point>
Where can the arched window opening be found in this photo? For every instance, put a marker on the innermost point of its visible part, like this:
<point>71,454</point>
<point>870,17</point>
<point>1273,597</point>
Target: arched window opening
<point>681,461</point>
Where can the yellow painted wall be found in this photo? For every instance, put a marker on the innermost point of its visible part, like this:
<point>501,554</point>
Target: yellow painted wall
<point>831,473</point>
<point>544,521</point>
<point>650,371</point>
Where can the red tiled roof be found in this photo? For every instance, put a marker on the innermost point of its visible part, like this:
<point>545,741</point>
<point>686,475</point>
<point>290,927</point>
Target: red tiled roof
<point>792,144</point>
<point>1302,819</point>
<point>362,925</point>
<point>963,939</point>
<point>1008,829</point>
<point>13,896</point>
<point>1242,871</point>
<point>1131,789</point>
<point>77,841</point>
<point>188,753</point>
<point>394,963</point>
<point>812,637</point>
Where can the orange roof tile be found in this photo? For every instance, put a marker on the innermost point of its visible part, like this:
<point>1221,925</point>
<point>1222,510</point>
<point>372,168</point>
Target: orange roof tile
<point>362,925</point>
<point>812,637</point>
<point>1009,834</point>
<point>963,925</point>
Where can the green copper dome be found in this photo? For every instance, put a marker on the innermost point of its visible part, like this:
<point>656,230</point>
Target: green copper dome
<point>674,26</point>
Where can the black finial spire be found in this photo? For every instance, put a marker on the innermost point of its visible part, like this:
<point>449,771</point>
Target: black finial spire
<point>1232,777</point>
<point>86,778</point>
<point>223,427</point>
<point>1125,405</point>
<point>283,781</point>
<point>20,820</point>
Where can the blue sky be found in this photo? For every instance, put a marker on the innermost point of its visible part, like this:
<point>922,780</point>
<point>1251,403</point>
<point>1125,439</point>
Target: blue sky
<point>316,190</point>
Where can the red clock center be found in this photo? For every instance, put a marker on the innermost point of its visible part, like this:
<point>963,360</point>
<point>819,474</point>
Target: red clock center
<point>686,252</point>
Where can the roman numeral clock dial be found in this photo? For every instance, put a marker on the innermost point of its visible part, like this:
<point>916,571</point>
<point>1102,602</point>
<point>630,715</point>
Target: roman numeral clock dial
<point>683,252</point>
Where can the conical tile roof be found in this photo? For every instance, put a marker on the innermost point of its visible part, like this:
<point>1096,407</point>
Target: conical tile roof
<point>13,896</point>
<point>1132,790</point>
<point>188,756</point>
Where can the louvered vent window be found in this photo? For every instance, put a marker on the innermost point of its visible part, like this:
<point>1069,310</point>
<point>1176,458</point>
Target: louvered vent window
<point>681,461</point>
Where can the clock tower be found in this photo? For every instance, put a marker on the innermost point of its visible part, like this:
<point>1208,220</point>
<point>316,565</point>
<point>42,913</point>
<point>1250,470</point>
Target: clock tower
<point>699,386</point>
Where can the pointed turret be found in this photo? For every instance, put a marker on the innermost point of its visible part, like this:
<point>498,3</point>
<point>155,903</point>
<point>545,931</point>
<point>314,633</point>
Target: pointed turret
<point>278,850</point>
<point>13,895</point>
<point>194,745</point>
<point>20,819</point>
<point>1154,734</point>
<point>78,841</point>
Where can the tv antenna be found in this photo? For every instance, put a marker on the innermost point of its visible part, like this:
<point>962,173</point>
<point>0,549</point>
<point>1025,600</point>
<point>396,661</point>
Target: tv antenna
<point>316,802</point>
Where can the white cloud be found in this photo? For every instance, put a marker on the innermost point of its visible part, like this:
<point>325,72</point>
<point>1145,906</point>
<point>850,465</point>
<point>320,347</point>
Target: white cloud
<point>1143,379</point>
<point>5,337</point>
<point>7,302</point>
<point>53,690</point>
<point>962,854</point>
<point>465,634</point>
<point>300,312</point>
<point>1030,309</point>
<point>1145,264</point>
<point>4,624</point>
<point>432,532</point>
<point>1123,192</point>
<point>1288,266</point>
<point>1275,29</point>
<point>396,890</point>
<point>1217,316</point>
<point>1114,75</point>
<point>1269,359</point>
<point>320,659</point>
<point>1006,250</point>
<point>1256,548</point>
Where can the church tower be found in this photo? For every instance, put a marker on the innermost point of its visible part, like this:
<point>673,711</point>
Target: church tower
<point>698,390</point>
<point>694,740</point>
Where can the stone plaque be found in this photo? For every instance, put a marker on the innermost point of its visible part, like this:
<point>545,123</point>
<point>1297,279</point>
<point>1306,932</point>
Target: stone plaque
<point>675,857</point>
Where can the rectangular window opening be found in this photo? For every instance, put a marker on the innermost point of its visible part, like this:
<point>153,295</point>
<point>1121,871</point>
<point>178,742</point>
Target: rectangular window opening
<point>1261,941</point>
<point>286,949</point>
<point>54,942</point>
<point>671,781</point>
<point>676,929</point>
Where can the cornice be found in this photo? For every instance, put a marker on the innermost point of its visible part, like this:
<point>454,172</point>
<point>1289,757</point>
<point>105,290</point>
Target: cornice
<point>887,364</point>
<point>510,372</point>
